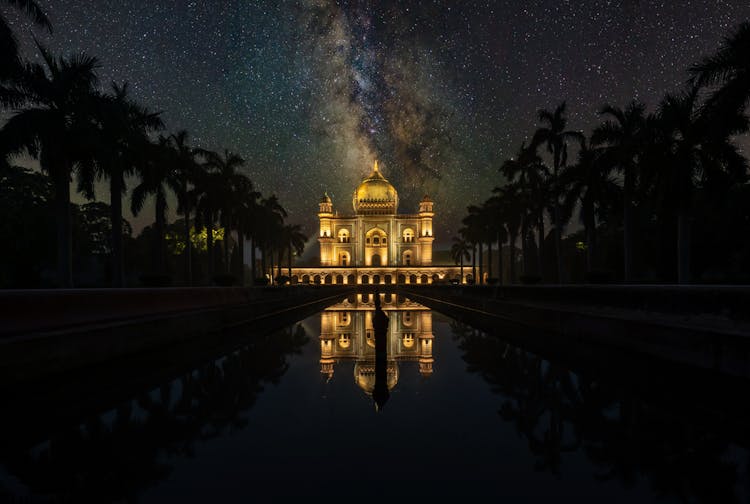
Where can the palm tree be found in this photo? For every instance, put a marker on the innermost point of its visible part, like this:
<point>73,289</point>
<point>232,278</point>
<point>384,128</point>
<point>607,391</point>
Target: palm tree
<point>460,251</point>
<point>209,191</point>
<point>589,183</point>
<point>295,241</point>
<point>56,126</point>
<point>511,208</point>
<point>698,150</point>
<point>244,215</point>
<point>729,68</point>
<point>271,217</point>
<point>226,167</point>
<point>10,63</point>
<point>184,162</point>
<point>623,136</point>
<point>531,176</point>
<point>122,147</point>
<point>157,178</point>
<point>555,137</point>
<point>495,207</point>
<point>474,233</point>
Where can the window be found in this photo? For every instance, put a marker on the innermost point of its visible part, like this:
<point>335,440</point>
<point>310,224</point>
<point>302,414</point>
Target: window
<point>376,240</point>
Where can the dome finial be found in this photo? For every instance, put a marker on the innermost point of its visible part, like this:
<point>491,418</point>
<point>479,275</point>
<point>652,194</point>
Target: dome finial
<point>375,169</point>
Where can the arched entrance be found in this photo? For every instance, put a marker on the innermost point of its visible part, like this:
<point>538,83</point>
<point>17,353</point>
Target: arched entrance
<point>339,279</point>
<point>402,279</point>
<point>376,260</point>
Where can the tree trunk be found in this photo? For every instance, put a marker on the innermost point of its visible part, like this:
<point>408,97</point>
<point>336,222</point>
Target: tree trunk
<point>460,282</point>
<point>525,246</point>
<point>558,243</point>
<point>481,265</point>
<point>263,261</point>
<point>540,249</point>
<point>290,263</point>
<point>500,271</point>
<point>161,208</point>
<point>627,225</point>
<point>512,258</point>
<point>210,246</point>
<point>683,247</point>
<point>241,253</point>
<point>64,245</point>
<point>474,263</point>
<point>489,258</point>
<point>252,262</point>
<point>115,207</point>
<point>590,225</point>
<point>278,265</point>
<point>227,236</point>
<point>188,243</point>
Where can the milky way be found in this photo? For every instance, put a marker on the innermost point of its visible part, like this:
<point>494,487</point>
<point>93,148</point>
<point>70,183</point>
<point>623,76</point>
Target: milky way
<point>441,92</point>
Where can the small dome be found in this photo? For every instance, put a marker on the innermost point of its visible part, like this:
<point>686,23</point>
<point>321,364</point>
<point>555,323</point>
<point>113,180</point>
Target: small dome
<point>325,198</point>
<point>375,195</point>
<point>426,199</point>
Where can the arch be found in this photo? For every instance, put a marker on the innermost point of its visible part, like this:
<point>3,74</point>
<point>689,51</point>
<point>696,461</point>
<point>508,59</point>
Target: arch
<point>343,235</point>
<point>402,279</point>
<point>316,279</point>
<point>376,279</point>
<point>375,260</point>
<point>366,298</point>
<point>406,257</point>
<point>413,279</point>
<point>469,278</point>
<point>344,259</point>
<point>423,279</point>
<point>388,279</point>
<point>328,279</point>
<point>339,279</point>
<point>388,297</point>
<point>435,278</point>
<point>365,279</point>
<point>295,279</point>
<point>305,279</point>
<point>351,279</point>
<point>408,235</point>
<point>351,299</point>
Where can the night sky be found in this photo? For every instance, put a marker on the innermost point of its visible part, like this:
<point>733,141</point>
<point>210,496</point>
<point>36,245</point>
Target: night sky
<point>440,92</point>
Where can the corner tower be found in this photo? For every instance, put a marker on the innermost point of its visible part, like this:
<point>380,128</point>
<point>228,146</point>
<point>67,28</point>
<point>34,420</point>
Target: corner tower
<point>425,235</point>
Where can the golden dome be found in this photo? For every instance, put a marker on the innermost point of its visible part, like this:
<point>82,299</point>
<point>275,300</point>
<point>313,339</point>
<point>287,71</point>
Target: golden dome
<point>364,375</point>
<point>375,195</point>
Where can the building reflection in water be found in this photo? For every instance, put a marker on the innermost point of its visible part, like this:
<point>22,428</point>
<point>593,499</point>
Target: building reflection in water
<point>347,333</point>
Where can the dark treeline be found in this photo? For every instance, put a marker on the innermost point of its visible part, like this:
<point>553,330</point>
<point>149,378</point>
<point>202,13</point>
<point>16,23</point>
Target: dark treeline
<point>75,129</point>
<point>116,455</point>
<point>627,436</point>
<point>661,196</point>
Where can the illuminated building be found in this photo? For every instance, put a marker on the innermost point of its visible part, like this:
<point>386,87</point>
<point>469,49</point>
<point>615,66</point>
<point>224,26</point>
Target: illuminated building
<point>375,244</point>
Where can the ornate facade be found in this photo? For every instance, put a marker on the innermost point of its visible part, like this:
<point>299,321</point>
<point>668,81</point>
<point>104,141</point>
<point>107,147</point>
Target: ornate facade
<point>375,244</point>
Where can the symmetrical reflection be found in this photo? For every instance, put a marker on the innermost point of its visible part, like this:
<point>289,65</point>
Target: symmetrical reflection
<point>348,333</point>
<point>625,433</point>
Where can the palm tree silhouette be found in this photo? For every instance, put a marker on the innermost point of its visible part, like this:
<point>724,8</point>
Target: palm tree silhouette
<point>10,63</point>
<point>510,212</point>
<point>245,213</point>
<point>555,137</point>
<point>56,126</point>
<point>698,149</point>
<point>184,162</point>
<point>157,178</point>
<point>588,182</point>
<point>460,251</point>
<point>226,166</point>
<point>295,242</point>
<point>623,136</point>
<point>729,68</point>
<point>122,147</point>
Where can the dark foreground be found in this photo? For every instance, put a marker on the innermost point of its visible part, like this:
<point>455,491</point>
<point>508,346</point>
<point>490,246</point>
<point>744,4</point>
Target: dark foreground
<point>252,413</point>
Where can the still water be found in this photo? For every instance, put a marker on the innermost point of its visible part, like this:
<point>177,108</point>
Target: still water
<point>311,410</point>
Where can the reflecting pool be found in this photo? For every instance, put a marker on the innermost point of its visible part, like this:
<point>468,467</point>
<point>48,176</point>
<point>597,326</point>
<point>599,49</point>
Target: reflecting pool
<point>323,408</point>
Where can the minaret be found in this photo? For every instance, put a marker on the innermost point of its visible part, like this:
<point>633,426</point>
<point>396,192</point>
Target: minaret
<point>425,230</point>
<point>425,344</point>
<point>325,214</point>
